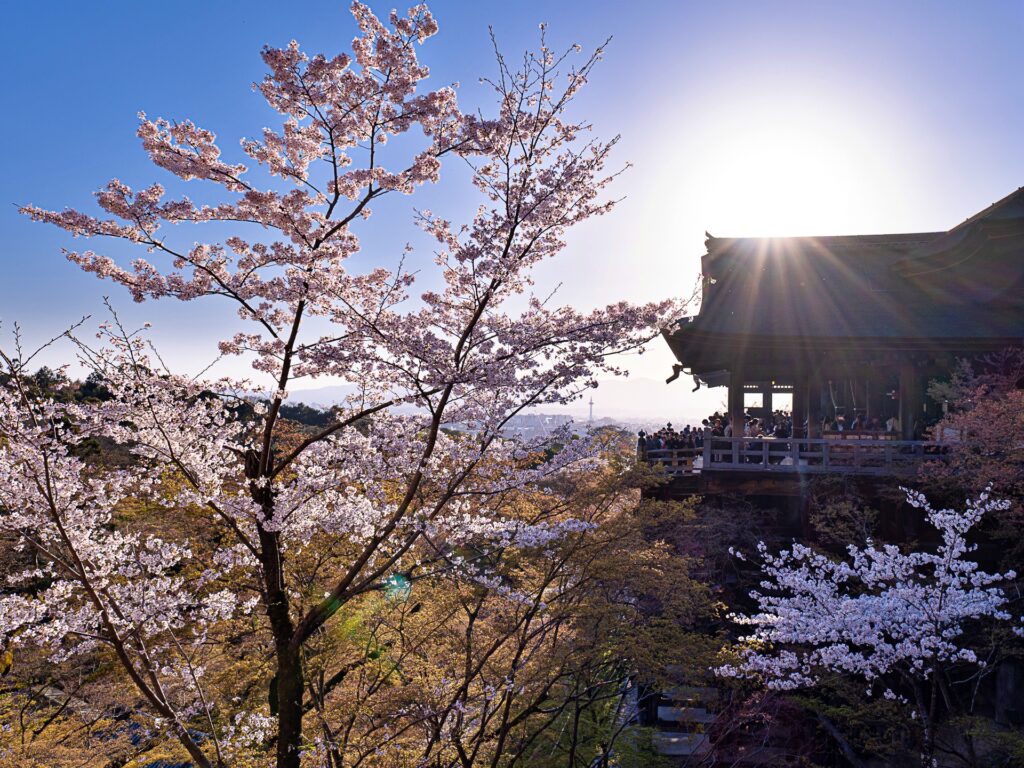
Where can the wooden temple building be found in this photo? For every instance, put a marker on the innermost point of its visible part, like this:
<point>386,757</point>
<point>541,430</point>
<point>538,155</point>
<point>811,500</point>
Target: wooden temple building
<point>850,326</point>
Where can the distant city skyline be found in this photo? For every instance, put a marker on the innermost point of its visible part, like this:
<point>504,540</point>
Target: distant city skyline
<point>739,119</point>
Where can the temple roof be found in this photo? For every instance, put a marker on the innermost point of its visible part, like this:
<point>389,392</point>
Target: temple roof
<point>896,246</point>
<point>923,284</point>
<point>967,283</point>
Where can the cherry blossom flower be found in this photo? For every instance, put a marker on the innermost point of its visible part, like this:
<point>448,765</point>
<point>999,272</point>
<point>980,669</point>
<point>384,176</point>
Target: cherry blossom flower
<point>879,614</point>
<point>390,483</point>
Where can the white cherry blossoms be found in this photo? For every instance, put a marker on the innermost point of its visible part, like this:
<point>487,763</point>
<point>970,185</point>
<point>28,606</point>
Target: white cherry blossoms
<point>881,611</point>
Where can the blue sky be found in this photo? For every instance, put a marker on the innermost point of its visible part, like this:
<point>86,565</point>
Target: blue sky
<point>739,119</point>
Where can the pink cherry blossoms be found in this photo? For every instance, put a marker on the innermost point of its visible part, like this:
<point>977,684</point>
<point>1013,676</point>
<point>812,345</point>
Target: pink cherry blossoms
<point>109,586</point>
<point>391,490</point>
<point>883,615</point>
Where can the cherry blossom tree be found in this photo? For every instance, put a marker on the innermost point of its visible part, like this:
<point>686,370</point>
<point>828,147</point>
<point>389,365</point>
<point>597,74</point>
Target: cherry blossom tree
<point>883,615</point>
<point>383,489</point>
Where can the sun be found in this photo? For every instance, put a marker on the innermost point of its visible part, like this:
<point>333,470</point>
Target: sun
<point>798,167</point>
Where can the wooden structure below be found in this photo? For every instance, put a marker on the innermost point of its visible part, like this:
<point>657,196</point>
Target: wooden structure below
<point>853,327</point>
<point>855,456</point>
<point>774,466</point>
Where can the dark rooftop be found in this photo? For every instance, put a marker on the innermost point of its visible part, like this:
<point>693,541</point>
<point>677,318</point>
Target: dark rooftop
<point>965,283</point>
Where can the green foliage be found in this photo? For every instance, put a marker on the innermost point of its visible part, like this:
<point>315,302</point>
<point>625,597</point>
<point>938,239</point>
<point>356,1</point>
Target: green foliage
<point>876,728</point>
<point>305,414</point>
<point>1002,747</point>
<point>842,521</point>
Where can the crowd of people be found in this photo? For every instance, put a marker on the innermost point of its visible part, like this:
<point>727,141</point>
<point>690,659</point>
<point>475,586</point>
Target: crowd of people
<point>669,437</point>
<point>778,425</point>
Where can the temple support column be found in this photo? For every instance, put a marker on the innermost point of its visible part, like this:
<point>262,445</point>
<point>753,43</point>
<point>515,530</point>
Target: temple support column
<point>736,401</point>
<point>766,399</point>
<point>799,405</point>
<point>911,399</point>
<point>814,385</point>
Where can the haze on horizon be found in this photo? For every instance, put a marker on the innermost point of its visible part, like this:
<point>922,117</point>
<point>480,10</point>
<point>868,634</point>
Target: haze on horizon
<point>738,119</point>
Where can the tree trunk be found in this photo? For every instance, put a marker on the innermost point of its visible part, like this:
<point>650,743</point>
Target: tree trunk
<point>926,712</point>
<point>289,706</point>
<point>288,686</point>
<point>928,715</point>
<point>844,746</point>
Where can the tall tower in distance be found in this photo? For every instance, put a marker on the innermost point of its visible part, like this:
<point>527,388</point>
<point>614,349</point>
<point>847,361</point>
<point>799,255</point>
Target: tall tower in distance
<point>591,417</point>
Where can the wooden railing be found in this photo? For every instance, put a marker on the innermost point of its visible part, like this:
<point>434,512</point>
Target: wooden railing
<point>854,456</point>
<point>675,461</point>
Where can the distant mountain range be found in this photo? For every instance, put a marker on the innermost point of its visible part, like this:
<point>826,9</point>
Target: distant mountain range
<point>620,399</point>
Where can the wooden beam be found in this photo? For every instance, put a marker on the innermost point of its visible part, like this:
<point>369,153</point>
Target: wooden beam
<point>911,398</point>
<point>736,401</point>
<point>799,407</point>
<point>814,394</point>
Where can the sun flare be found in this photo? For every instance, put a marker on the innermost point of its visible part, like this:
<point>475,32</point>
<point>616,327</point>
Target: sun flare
<point>802,168</point>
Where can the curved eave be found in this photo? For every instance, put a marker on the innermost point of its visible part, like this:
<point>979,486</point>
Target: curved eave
<point>703,351</point>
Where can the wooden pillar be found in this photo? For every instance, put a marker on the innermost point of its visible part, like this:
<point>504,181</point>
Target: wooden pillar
<point>799,405</point>
<point>877,395</point>
<point>766,400</point>
<point>736,401</point>
<point>911,398</point>
<point>815,383</point>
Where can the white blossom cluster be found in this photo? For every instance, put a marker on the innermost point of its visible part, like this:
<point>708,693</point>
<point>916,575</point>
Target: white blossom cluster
<point>880,611</point>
